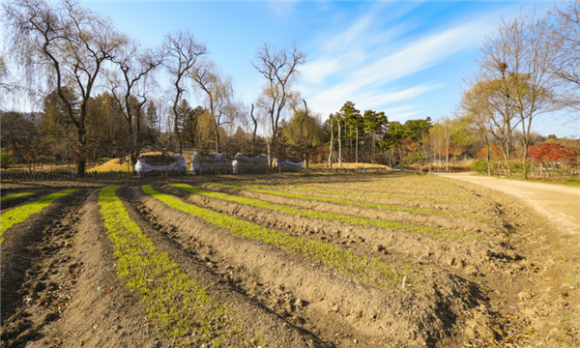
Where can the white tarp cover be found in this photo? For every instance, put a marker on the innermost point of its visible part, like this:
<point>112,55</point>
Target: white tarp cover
<point>214,161</point>
<point>287,164</point>
<point>179,164</point>
<point>244,163</point>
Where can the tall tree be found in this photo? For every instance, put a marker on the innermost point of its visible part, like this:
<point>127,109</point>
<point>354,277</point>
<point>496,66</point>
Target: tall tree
<point>304,129</point>
<point>70,44</point>
<point>152,117</point>
<point>374,123</point>
<point>130,84</point>
<point>219,93</point>
<point>182,52</point>
<point>566,67</point>
<point>523,51</point>
<point>331,146</point>
<point>353,120</point>
<point>279,69</point>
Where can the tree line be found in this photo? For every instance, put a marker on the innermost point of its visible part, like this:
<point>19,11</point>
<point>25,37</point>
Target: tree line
<point>528,67</point>
<point>98,93</point>
<point>100,85</point>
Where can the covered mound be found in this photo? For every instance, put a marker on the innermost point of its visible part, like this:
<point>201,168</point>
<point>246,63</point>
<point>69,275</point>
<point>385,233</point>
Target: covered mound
<point>244,164</point>
<point>212,162</point>
<point>148,163</point>
<point>287,164</point>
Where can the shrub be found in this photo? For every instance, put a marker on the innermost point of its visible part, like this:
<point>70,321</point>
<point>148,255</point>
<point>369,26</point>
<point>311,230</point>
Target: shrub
<point>518,167</point>
<point>6,159</point>
<point>480,166</point>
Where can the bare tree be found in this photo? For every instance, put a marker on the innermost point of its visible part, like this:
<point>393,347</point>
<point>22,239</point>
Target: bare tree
<point>130,85</point>
<point>476,114</point>
<point>279,68</point>
<point>182,52</point>
<point>525,50</point>
<point>338,117</point>
<point>567,65</point>
<point>70,45</point>
<point>256,119</point>
<point>331,146</point>
<point>219,94</point>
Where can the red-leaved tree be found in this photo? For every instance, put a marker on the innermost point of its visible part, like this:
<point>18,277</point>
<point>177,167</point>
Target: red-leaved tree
<point>547,154</point>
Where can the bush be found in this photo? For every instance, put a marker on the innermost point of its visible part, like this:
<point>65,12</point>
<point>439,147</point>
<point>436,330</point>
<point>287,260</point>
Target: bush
<point>6,159</point>
<point>480,166</point>
<point>518,167</point>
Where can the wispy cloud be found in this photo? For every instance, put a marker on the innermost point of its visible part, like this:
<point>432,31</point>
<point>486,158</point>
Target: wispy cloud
<point>363,63</point>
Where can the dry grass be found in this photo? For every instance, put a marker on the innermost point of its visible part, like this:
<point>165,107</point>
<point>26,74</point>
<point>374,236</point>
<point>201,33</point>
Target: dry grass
<point>353,165</point>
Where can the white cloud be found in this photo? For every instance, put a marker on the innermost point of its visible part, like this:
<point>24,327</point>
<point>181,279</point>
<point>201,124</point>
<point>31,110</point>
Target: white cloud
<point>361,63</point>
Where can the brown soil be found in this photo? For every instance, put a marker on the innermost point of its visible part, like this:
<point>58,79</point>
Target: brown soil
<point>457,224</point>
<point>371,315</point>
<point>517,287</point>
<point>24,199</point>
<point>268,325</point>
<point>397,245</point>
<point>476,208</point>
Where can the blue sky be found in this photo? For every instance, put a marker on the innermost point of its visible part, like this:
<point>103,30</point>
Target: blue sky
<point>406,58</point>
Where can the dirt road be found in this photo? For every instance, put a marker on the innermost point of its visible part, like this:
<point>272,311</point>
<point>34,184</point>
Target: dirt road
<point>559,204</point>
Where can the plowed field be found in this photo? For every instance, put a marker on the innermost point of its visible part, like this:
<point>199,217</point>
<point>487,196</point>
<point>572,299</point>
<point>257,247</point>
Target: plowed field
<point>283,261</point>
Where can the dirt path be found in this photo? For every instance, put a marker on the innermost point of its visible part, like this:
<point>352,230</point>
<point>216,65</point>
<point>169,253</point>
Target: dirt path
<point>559,204</point>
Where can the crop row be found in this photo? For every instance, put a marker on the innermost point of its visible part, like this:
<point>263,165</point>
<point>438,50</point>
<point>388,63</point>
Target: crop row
<point>16,195</point>
<point>360,204</point>
<point>20,214</point>
<point>294,188</point>
<point>176,303</point>
<point>433,232</point>
<point>367,269</point>
<point>393,187</point>
<point>395,193</point>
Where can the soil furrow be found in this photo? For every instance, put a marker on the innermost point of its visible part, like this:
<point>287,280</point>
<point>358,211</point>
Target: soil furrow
<point>437,210</point>
<point>405,318</point>
<point>486,230</point>
<point>397,245</point>
<point>273,329</point>
<point>28,280</point>
<point>360,194</point>
<point>392,190</point>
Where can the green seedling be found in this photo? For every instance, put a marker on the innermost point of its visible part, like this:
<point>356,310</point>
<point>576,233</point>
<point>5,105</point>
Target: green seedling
<point>20,214</point>
<point>16,195</point>
<point>294,188</point>
<point>360,204</point>
<point>177,304</point>
<point>433,232</point>
<point>367,269</point>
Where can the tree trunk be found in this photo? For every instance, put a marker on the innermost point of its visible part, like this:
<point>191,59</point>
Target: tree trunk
<point>269,154</point>
<point>339,143</point>
<point>357,144</point>
<point>447,155</point>
<point>217,140</point>
<point>83,154</point>
<point>331,143</point>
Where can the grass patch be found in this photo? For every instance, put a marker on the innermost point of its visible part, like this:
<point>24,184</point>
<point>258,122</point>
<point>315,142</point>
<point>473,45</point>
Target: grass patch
<point>20,214</point>
<point>433,232</point>
<point>293,187</point>
<point>177,304</point>
<point>367,269</point>
<point>16,195</point>
<point>360,204</point>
